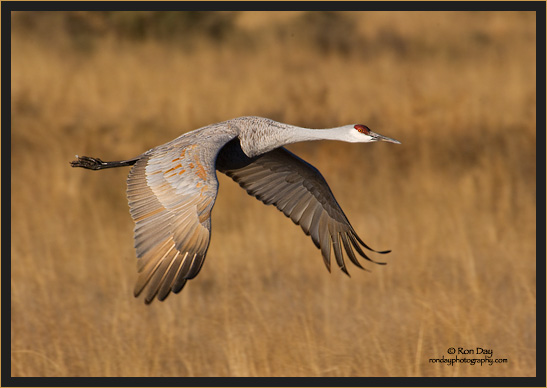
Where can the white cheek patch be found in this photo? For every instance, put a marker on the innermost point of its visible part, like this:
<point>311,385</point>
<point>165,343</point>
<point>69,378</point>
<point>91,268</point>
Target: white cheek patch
<point>359,137</point>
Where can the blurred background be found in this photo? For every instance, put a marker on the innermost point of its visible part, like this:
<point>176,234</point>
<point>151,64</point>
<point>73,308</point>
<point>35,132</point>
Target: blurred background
<point>455,202</point>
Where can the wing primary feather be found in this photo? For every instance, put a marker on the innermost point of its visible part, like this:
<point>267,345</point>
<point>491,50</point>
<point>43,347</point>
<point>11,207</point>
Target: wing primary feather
<point>147,271</point>
<point>179,285</point>
<point>349,251</point>
<point>360,251</point>
<point>149,241</point>
<point>183,272</point>
<point>170,273</point>
<point>290,204</point>
<point>365,245</point>
<point>314,230</point>
<point>197,262</point>
<point>338,251</point>
<point>160,251</point>
<point>156,279</point>
<point>300,207</point>
<point>325,240</point>
<point>194,266</point>
<point>180,279</point>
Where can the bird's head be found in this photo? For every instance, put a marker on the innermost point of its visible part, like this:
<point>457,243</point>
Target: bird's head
<point>360,133</point>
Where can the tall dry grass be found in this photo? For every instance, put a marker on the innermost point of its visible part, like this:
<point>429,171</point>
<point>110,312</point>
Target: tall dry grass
<point>455,202</point>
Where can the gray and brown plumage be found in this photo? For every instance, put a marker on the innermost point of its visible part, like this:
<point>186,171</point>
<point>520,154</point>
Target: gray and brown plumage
<point>172,188</point>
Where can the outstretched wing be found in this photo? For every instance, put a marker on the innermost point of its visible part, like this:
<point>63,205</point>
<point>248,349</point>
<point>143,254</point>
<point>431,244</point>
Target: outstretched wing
<point>299,190</point>
<point>171,191</point>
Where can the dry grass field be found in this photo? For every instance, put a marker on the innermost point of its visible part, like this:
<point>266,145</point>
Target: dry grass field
<point>455,201</point>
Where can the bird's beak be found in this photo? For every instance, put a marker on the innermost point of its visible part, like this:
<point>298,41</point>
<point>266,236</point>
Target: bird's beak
<point>378,137</point>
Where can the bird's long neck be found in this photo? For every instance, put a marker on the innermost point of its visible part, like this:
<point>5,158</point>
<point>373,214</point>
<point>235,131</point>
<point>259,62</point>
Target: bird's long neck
<point>297,134</point>
<point>264,135</point>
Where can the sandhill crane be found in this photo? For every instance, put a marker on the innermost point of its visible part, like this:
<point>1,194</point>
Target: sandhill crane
<point>172,188</point>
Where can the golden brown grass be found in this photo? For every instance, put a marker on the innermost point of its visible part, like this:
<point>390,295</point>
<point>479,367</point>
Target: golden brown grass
<point>455,202</point>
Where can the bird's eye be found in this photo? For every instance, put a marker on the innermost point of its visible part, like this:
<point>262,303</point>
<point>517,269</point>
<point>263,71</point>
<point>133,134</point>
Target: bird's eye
<point>362,128</point>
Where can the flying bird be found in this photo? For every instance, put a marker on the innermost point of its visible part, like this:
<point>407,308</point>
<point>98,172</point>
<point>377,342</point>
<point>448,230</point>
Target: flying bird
<point>171,190</point>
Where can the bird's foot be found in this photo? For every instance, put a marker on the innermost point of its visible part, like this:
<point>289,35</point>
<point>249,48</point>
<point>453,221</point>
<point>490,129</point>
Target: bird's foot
<point>89,163</point>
